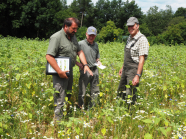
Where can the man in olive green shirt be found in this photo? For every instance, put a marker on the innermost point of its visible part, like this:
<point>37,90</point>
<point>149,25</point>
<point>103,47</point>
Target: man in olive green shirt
<point>91,51</point>
<point>64,43</point>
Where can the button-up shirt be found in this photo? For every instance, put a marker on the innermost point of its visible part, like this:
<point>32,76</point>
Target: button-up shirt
<point>141,47</point>
<point>91,51</point>
<point>60,45</point>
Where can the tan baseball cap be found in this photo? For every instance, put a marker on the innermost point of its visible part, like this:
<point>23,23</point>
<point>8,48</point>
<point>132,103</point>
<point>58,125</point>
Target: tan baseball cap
<point>131,21</point>
<point>91,30</point>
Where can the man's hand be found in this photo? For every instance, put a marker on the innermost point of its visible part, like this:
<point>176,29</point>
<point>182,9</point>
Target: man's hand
<point>80,65</point>
<point>135,81</point>
<point>86,68</point>
<point>62,74</point>
<point>99,63</point>
<point>120,71</point>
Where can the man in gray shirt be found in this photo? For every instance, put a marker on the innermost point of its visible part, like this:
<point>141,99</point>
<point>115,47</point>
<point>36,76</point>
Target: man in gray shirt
<point>91,51</point>
<point>64,43</point>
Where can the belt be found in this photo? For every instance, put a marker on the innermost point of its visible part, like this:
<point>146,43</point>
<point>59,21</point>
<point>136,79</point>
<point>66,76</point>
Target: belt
<point>93,68</point>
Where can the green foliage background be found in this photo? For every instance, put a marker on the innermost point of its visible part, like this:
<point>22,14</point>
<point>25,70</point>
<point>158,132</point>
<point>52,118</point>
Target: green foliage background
<point>40,19</point>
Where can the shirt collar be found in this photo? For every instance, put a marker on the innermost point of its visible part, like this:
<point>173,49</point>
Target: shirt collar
<point>66,35</point>
<point>136,36</point>
<point>89,43</point>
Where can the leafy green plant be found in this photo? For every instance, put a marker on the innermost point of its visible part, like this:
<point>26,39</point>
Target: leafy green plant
<point>26,95</point>
<point>110,32</point>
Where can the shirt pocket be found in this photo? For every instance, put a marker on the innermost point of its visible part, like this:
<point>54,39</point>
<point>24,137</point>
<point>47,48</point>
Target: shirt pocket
<point>74,47</point>
<point>64,49</point>
<point>134,51</point>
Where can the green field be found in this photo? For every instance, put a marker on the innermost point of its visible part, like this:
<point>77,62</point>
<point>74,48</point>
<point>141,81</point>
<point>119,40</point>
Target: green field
<point>26,96</point>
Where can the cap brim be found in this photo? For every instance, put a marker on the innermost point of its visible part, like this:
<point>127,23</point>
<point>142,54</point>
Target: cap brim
<point>130,24</point>
<point>91,33</point>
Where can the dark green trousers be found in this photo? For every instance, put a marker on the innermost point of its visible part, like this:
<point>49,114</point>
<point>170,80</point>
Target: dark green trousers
<point>61,85</point>
<point>84,80</point>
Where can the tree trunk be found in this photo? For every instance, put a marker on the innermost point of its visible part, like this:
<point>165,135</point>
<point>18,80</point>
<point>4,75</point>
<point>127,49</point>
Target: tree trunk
<point>82,18</point>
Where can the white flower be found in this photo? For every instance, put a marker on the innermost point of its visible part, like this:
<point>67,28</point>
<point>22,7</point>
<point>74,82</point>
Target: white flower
<point>124,91</point>
<point>129,101</point>
<point>184,128</point>
<point>111,109</point>
<point>179,129</point>
<point>86,124</point>
<point>42,84</point>
<point>74,108</point>
<point>77,137</point>
<point>52,123</point>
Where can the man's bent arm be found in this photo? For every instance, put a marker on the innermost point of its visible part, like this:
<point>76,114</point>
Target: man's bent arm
<point>53,63</point>
<point>135,81</point>
<point>84,61</point>
<point>141,63</point>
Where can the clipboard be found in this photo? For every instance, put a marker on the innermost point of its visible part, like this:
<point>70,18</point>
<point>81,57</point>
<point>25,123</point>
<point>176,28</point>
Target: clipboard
<point>63,63</point>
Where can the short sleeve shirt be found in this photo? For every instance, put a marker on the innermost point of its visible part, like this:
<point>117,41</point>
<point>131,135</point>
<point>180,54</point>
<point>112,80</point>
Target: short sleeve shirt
<point>140,48</point>
<point>60,45</point>
<point>91,51</point>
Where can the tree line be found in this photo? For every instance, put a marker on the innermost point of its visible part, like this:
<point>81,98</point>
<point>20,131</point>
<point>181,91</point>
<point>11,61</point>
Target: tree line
<point>41,18</point>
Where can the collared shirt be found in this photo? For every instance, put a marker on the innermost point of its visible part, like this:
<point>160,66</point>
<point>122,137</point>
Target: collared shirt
<point>60,45</point>
<point>140,48</point>
<point>91,51</point>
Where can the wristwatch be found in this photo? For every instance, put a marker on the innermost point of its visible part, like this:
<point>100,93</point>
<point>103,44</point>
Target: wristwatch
<point>85,65</point>
<point>139,75</point>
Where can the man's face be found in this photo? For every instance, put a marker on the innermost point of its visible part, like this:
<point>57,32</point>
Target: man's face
<point>90,38</point>
<point>70,31</point>
<point>133,30</point>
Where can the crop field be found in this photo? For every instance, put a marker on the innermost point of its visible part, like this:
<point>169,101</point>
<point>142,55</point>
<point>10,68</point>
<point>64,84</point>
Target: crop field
<point>26,96</point>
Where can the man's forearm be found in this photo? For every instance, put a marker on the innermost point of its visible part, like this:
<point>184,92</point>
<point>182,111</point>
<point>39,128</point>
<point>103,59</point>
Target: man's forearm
<point>140,65</point>
<point>82,57</point>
